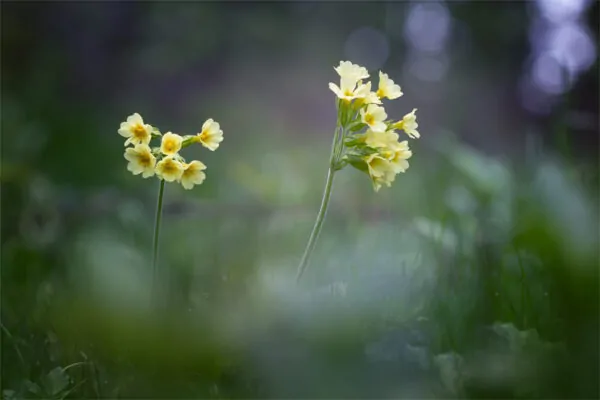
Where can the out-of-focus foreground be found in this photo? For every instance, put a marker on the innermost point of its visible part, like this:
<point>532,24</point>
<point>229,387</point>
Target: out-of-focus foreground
<point>475,275</point>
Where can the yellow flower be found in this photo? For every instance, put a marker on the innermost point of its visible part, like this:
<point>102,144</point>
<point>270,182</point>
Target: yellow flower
<point>192,174</point>
<point>211,135</point>
<point>374,116</point>
<point>381,140</point>
<point>387,88</point>
<point>135,130</point>
<point>397,156</point>
<point>381,171</point>
<point>171,144</point>
<point>409,125</point>
<point>169,169</point>
<point>364,95</point>
<point>141,160</point>
<point>349,89</point>
<point>352,72</point>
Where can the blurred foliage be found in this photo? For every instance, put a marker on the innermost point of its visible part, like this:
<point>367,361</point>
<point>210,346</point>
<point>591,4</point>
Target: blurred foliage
<point>475,276</point>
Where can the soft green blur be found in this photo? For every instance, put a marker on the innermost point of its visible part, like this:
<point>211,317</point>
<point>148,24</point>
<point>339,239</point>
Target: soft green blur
<point>475,275</point>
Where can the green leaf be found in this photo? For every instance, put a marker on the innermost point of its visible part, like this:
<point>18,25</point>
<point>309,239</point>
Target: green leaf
<point>56,381</point>
<point>32,387</point>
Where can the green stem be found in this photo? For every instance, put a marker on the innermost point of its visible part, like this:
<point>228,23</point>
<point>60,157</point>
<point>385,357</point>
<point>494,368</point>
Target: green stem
<point>159,203</point>
<point>314,235</point>
<point>312,241</point>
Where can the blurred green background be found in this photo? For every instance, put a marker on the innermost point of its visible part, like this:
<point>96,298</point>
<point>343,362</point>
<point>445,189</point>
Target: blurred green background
<point>475,275</point>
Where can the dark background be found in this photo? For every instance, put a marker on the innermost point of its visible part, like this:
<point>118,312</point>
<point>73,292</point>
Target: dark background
<point>480,261</point>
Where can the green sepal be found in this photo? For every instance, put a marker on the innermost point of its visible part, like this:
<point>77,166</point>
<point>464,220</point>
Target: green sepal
<point>354,140</point>
<point>357,162</point>
<point>155,132</point>
<point>391,124</point>
<point>340,164</point>
<point>356,126</point>
<point>188,140</point>
<point>362,150</point>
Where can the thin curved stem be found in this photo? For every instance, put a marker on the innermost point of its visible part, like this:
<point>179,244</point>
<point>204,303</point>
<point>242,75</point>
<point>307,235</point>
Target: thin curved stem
<point>314,235</point>
<point>159,203</point>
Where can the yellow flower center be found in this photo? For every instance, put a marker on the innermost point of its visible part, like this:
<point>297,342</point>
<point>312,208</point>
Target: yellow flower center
<point>380,93</point>
<point>138,131</point>
<point>169,167</point>
<point>348,93</point>
<point>144,159</point>
<point>189,172</point>
<point>204,136</point>
<point>369,119</point>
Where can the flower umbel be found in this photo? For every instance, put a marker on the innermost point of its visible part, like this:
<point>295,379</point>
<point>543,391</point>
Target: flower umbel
<point>364,137</point>
<point>165,162</point>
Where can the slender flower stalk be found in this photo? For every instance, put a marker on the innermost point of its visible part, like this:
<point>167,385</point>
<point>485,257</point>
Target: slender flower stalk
<point>159,204</point>
<point>314,235</point>
<point>375,151</point>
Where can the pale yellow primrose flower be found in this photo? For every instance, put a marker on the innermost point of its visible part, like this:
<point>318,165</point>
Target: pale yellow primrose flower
<point>381,171</point>
<point>135,130</point>
<point>352,72</point>
<point>398,155</point>
<point>409,125</point>
<point>348,90</point>
<point>364,95</point>
<point>387,88</point>
<point>379,140</point>
<point>192,174</point>
<point>141,160</point>
<point>374,116</point>
<point>169,169</point>
<point>170,144</point>
<point>211,135</point>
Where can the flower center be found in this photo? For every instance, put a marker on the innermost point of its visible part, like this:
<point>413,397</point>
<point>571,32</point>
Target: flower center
<point>169,168</point>
<point>380,93</point>
<point>369,119</point>
<point>144,159</point>
<point>138,131</point>
<point>348,93</point>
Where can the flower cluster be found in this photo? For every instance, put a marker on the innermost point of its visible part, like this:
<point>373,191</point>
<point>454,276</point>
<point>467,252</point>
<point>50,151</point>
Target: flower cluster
<point>365,137</point>
<point>165,161</point>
